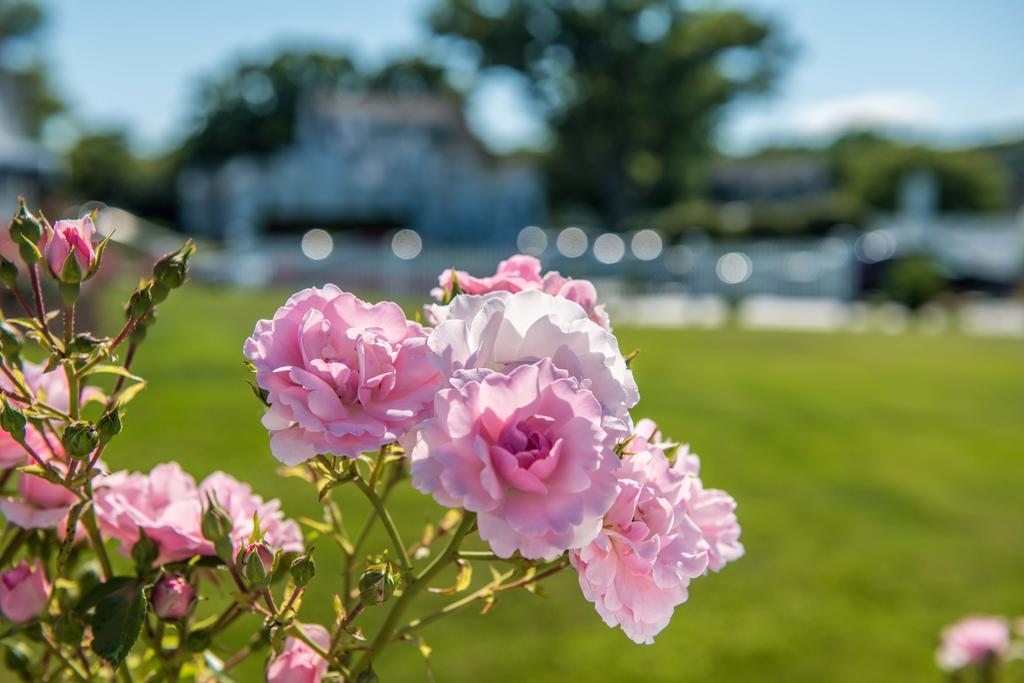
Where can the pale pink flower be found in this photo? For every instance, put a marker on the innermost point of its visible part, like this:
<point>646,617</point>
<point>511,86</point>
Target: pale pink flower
<point>24,592</point>
<point>524,450</point>
<point>520,273</point>
<point>342,376</point>
<point>500,331</point>
<point>713,510</point>
<point>50,388</point>
<point>67,238</point>
<point>638,568</point>
<point>298,662</point>
<point>39,503</point>
<point>974,640</point>
<point>168,506</point>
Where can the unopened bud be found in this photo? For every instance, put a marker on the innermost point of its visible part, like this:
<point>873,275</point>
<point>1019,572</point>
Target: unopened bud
<point>171,270</point>
<point>13,421</point>
<point>216,524</point>
<point>158,292</point>
<point>84,343</point>
<point>303,570</point>
<point>8,273</point>
<point>25,225</point>
<point>140,301</point>
<point>255,563</point>
<point>376,586</point>
<point>172,597</point>
<point>109,425</point>
<point>80,438</point>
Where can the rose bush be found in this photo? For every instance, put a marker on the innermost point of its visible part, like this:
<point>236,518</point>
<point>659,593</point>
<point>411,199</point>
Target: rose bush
<point>512,410</point>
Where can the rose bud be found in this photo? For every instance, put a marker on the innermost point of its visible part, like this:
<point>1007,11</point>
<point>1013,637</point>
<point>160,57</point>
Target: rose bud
<point>303,569</point>
<point>80,439</point>
<point>26,231</point>
<point>376,586</point>
<point>255,563</point>
<point>24,592</point>
<point>172,596</point>
<point>216,526</point>
<point>69,251</point>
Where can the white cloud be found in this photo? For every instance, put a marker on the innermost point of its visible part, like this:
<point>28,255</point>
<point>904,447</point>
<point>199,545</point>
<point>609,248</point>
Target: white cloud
<point>891,109</point>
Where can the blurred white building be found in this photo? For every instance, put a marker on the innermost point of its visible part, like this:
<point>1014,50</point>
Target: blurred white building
<point>367,164</point>
<point>25,167</point>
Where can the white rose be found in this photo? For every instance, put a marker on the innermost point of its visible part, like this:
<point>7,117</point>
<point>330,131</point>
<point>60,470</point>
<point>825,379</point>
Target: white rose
<point>499,331</point>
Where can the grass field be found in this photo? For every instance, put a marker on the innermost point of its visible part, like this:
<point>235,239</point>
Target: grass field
<point>879,479</point>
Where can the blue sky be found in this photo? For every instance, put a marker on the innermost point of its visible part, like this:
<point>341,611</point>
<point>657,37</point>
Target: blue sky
<point>943,69</point>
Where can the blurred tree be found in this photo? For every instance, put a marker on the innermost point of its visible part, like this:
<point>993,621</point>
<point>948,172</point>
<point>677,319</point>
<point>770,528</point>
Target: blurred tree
<point>252,108</point>
<point>632,90</point>
<point>34,98</point>
<point>872,169</point>
<point>104,167</point>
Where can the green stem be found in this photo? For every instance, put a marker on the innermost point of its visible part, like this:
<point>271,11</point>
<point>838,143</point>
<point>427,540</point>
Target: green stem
<point>68,664</point>
<point>413,589</point>
<point>297,632</point>
<point>89,519</point>
<point>389,524</point>
<point>483,592</point>
<point>69,326</point>
<point>492,587</point>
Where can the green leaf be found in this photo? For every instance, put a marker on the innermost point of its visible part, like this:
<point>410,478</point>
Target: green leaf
<point>117,618</point>
<point>128,393</point>
<point>111,369</point>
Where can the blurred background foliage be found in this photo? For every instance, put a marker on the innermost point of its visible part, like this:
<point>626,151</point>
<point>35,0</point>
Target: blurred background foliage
<point>632,92</point>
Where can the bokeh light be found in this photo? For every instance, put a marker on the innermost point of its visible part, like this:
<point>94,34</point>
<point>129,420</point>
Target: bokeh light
<point>407,244</point>
<point>532,240</point>
<point>317,244</point>
<point>646,245</point>
<point>734,267</point>
<point>609,248</point>
<point>572,242</point>
<point>875,246</point>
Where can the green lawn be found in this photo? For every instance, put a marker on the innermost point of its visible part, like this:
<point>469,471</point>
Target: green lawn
<point>879,480</point>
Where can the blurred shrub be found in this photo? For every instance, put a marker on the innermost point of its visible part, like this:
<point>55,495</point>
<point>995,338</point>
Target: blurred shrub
<point>913,281</point>
<point>967,180</point>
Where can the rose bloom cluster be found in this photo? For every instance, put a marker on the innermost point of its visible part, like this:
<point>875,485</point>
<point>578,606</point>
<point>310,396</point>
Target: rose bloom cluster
<point>514,405</point>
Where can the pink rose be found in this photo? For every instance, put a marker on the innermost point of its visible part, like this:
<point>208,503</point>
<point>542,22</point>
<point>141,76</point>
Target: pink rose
<point>70,238</point>
<point>974,640</point>
<point>39,504</point>
<point>172,597</point>
<point>168,506</point>
<point>713,510</point>
<point>500,331</point>
<point>299,663</point>
<point>640,565</point>
<point>49,387</point>
<point>342,376</point>
<point>524,450</point>
<point>24,592</point>
<point>520,273</point>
